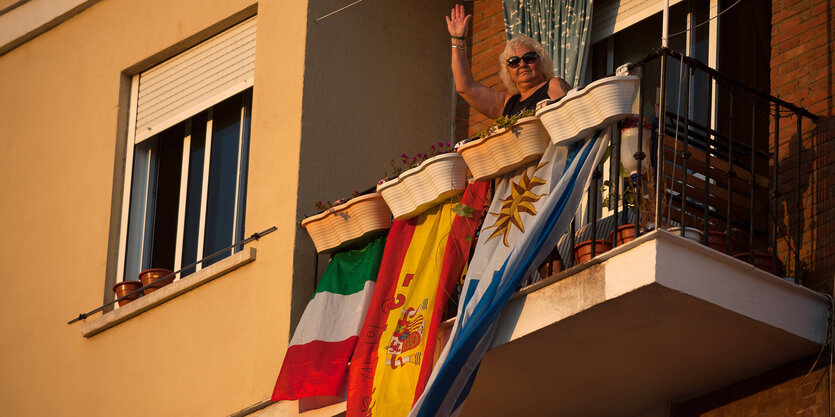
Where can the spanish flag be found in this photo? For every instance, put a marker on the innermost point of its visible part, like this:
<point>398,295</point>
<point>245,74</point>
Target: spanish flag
<point>423,260</point>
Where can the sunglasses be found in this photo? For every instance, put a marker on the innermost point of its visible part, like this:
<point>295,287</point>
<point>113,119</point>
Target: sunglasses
<point>529,58</point>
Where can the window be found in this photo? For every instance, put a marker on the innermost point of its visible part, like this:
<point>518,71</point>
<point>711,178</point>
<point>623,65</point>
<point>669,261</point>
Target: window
<point>188,141</point>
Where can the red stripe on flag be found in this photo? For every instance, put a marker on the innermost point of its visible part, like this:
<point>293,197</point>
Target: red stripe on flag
<point>363,363</point>
<point>313,369</point>
<point>455,257</point>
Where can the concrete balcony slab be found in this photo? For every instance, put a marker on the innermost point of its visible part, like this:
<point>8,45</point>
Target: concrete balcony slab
<point>656,321</point>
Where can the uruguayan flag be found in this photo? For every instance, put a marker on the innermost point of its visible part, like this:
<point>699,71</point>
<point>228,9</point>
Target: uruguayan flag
<point>529,212</point>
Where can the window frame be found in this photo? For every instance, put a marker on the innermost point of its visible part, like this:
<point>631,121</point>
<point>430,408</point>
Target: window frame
<point>143,195</point>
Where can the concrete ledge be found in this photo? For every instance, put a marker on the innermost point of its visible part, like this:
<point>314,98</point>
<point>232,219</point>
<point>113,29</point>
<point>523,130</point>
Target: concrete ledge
<point>92,327</point>
<point>25,20</point>
<point>663,315</point>
<point>268,408</point>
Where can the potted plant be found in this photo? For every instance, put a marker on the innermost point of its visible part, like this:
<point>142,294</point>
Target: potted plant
<point>552,265</point>
<point>429,179</point>
<point>581,112</point>
<point>717,240</point>
<point>155,275</point>
<point>347,222</point>
<point>762,260</point>
<point>582,250</point>
<point>510,143</point>
<point>629,198</point>
<point>124,288</point>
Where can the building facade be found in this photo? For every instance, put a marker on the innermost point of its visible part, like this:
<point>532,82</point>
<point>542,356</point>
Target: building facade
<point>152,134</point>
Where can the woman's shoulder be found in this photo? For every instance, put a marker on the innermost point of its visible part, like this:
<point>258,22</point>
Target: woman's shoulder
<point>557,88</point>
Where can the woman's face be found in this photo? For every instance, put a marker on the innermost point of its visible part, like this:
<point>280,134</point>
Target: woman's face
<point>525,73</point>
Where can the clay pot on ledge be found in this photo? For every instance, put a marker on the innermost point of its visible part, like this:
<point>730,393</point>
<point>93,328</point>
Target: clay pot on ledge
<point>153,275</point>
<point>626,234</point>
<point>762,260</point>
<point>689,233</point>
<point>124,288</point>
<point>582,250</point>
<point>717,240</point>
<point>551,266</point>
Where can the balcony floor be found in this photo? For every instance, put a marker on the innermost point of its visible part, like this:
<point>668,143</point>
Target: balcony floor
<point>659,320</point>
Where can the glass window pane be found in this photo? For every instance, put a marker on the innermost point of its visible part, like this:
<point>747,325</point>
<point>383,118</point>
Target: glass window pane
<point>191,227</point>
<point>136,217</point>
<point>167,196</point>
<point>223,170</point>
<point>151,214</point>
<point>241,221</point>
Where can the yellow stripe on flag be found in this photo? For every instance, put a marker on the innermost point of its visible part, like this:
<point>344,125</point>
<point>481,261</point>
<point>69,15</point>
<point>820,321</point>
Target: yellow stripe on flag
<point>402,347</point>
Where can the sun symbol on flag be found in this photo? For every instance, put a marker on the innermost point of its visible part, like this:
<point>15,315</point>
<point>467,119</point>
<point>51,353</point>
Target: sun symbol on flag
<point>520,200</point>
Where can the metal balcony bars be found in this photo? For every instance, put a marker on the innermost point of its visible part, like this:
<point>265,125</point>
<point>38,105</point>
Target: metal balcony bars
<point>254,236</point>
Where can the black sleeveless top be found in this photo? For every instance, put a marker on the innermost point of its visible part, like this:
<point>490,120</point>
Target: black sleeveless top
<point>514,105</point>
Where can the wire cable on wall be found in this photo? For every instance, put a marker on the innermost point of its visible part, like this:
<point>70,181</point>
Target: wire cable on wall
<point>706,21</point>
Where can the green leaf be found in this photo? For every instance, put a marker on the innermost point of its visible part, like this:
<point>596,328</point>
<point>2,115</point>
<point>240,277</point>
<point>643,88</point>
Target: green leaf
<point>462,210</point>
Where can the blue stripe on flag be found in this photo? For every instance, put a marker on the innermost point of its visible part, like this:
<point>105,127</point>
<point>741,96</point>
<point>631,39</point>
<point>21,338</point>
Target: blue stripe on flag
<point>498,292</point>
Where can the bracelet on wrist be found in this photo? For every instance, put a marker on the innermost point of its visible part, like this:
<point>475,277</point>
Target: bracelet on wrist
<point>463,48</point>
<point>458,37</point>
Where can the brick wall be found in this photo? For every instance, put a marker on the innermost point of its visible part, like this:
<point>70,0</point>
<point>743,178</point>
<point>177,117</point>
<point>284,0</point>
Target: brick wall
<point>802,61</point>
<point>802,38</point>
<point>798,389</point>
<point>487,40</point>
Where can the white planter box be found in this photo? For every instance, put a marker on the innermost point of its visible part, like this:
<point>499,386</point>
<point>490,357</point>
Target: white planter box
<point>581,112</point>
<point>348,223</point>
<point>506,150</point>
<point>416,190</point>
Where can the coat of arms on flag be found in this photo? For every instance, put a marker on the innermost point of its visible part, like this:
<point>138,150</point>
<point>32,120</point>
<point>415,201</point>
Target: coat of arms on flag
<point>530,210</point>
<point>423,261</point>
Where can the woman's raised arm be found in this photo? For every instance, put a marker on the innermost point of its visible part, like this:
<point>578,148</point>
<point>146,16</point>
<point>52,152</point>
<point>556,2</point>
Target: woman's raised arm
<point>485,100</point>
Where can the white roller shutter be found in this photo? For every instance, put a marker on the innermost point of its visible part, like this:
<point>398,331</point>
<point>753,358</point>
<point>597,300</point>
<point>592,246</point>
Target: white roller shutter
<point>611,16</point>
<point>217,68</point>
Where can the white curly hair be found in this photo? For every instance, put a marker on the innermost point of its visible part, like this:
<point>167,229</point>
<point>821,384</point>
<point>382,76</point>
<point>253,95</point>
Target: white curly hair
<point>546,65</point>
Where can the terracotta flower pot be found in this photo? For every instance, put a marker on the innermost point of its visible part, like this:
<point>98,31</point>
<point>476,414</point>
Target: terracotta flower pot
<point>420,188</point>
<point>626,234</point>
<point>506,149</point>
<point>349,223</point>
<point>717,240</point>
<point>581,112</point>
<point>762,261</point>
<point>582,250</point>
<point>550,268</point>
<point>153,275</point>
<point>126,287</point>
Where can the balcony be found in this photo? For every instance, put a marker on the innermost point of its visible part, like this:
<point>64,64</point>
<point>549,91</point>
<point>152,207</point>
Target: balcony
<point>658,320</point>
<point>665,318</point>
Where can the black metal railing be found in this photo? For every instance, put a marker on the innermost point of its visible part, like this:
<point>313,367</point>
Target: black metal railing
<point>172,275</point>
<point>711,175</point>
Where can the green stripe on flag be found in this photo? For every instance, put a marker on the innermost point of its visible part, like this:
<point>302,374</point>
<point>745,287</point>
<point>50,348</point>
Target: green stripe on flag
<point>348,271</point>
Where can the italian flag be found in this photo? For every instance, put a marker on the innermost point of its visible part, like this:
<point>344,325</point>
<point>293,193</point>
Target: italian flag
<point>424,259</point>
<point>317,360</point>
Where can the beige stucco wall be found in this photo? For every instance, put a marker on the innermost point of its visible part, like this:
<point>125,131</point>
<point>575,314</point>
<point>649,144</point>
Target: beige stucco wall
<point>212,351</point>
<point>377,84</point>
<point>63,115</point>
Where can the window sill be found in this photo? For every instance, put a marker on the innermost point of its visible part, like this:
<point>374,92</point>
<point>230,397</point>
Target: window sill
<point>95,326</point>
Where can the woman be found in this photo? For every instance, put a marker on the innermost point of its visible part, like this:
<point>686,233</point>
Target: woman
<point>527,73</point>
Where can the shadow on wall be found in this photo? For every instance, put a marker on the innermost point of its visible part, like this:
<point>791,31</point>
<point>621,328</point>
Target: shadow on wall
<point>377,84</point>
